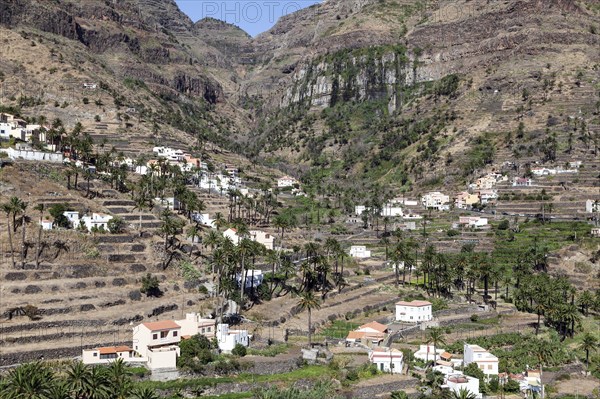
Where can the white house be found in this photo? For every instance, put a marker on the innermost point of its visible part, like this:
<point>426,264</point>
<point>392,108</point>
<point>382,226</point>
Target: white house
<point>457,382</point>
<point>232,235</point>
<point>286,181</point>
<point>436,200</point>
<point>47,225</point>
<point>595,232</point>
<point>390,210</point>
<point>263,238</point>
<point>204,219</point>
<point>254,278</point>
<point>388,360</point>
<point>97,220</point>
<point>170,154</point>
<point>72,217</point>
<point>472,221</point>
<point>227,339</point>
<point>108,354</point>
<point>487,196</point>
<point>158,342</point>
<point>522,182</point>
<point>487,362</point>
<point>193,324</point>
<point>426,353</point>
<point>359,251</point>
<point>413,311</point>
<point>592,206</point>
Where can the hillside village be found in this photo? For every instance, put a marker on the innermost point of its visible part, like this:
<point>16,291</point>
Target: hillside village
<point>174,216</point>
<point>373,199</point>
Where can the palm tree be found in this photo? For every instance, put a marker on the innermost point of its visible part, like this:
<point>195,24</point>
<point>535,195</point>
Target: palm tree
<point>219,221</point>
<point>308,302</point>
<point>589,343</point>
<point>28,381</point>
<point>193,232</point>
<point>435,337</point>
<point>144,393</point>
<point>463,393</point>
<point>78,378</point>
<point>8,208</point>
<point>40,208</point>
<point>24,221</point>
<point>118,380</point>
<point>142,203</point>
<point>97,386</point>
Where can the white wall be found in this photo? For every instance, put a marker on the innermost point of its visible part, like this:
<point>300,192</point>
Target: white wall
<point>413,314</point>
<point>32,155</point>
<point>165,358</point>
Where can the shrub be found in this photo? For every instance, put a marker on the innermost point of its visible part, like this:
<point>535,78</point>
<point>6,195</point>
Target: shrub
<point>503,225</point>
<point>452,233</point>
<point>474,318</point>
<point>150,286</point>
<point>239,350</point>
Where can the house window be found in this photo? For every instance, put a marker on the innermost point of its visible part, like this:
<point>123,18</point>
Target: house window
<point>174,333</point>
<point>203,330</point>
<point>489,366</point>
<point>163,334</point>
<point>207,329</point>
<point>481,366</point>
<point>154,336</point>
<point>95,354</point>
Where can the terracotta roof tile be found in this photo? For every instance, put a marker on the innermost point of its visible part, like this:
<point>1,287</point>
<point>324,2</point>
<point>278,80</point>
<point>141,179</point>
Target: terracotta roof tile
<point>161,325</point>
<point>106,350</point>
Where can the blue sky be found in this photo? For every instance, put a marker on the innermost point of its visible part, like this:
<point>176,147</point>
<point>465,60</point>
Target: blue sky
<point>252,16</point>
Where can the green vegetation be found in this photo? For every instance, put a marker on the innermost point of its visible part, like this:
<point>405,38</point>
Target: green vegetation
<point>150,286</point>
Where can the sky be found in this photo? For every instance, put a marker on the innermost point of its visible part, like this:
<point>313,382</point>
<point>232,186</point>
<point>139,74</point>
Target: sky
<point>252,16</point>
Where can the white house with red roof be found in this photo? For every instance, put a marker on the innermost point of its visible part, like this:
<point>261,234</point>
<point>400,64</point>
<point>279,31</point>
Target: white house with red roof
<point>107,354</point>
<point>387,360</point>
<point>413,311</point>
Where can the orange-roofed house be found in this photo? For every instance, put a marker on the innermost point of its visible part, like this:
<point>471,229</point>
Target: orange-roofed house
<point>413,311</point>
<point>355,336</point>
<point>107,354</point>
<point>158,342</point>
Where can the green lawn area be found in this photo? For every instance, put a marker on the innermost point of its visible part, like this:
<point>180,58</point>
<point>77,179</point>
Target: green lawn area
<point>338,329</point>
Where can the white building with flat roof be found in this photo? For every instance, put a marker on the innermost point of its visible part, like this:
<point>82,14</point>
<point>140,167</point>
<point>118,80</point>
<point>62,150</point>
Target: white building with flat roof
<point>286,181</point>
<point>359,251</point>
<point>227,339</point>
<point>387,360</point>
<point>459,382</point>
<point>436,200</point>
<point>413,311</point>
<point>487,362</point>
<point>193,324</point>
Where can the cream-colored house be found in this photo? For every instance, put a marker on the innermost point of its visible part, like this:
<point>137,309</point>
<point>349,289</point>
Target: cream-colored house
<point>263,238</point>
<point>193,324</point>
<point>158,342</point>
<point>466,200</point>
